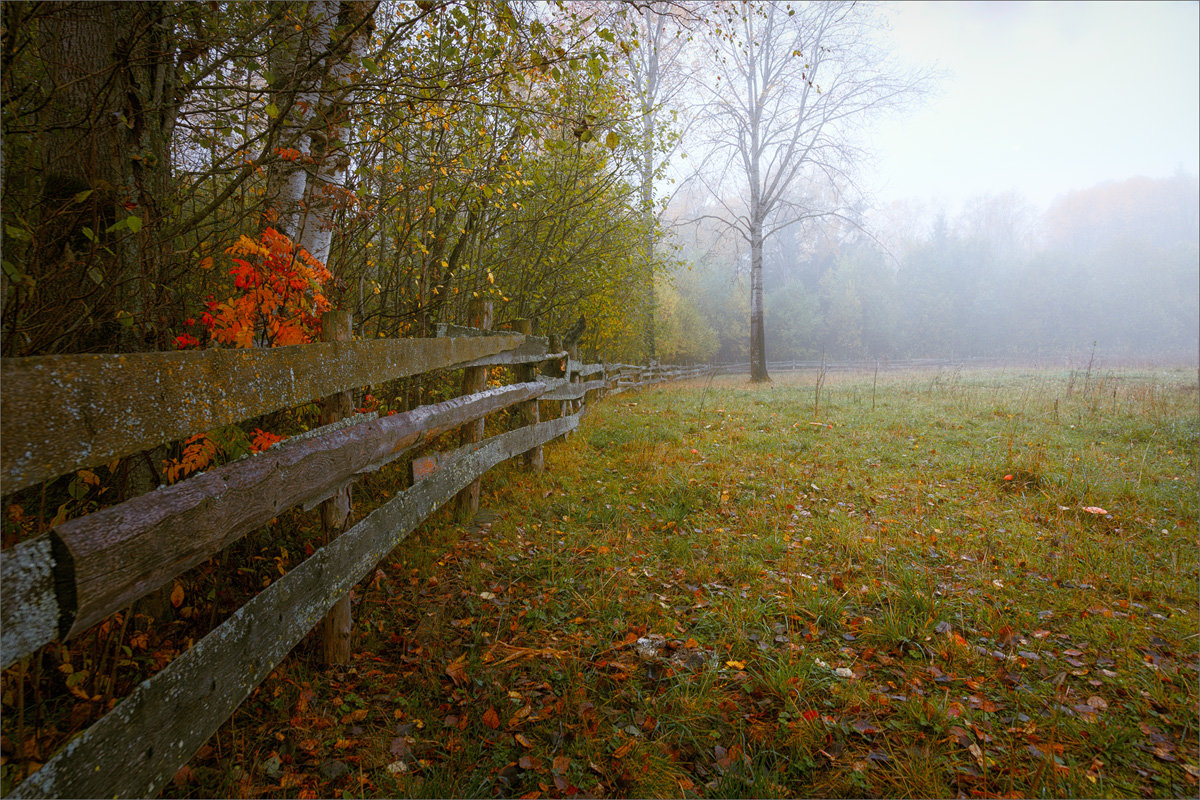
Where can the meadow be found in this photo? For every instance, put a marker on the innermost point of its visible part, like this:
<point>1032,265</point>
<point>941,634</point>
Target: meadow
<point>918,584</point>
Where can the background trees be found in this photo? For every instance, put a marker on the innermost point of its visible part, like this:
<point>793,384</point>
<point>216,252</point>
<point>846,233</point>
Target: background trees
<point>1115,264</point>
<point>426,152</point>
<point>789,82</point>
<point>432,152</point>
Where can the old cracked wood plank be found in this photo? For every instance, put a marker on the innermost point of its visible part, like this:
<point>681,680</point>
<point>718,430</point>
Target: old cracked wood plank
<point>67,412</point>
<point>139,745</point>
<point>126,551</point>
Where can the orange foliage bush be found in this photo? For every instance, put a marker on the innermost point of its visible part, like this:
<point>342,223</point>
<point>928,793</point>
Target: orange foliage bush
<point>278,300</point>
<point>278,295</point>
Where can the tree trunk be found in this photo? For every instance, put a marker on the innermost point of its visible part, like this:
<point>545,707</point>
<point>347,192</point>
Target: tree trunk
<point>300,94</point>
<point>325,189</point>
<point>758,346</point>
<point>106,158</point>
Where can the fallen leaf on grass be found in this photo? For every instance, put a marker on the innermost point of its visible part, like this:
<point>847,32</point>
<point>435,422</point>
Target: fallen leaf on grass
<point>457,670</point>
<point>1164,754</point>
<point>623,750</point>
<point>491,718</point>
<point>1094,510</point>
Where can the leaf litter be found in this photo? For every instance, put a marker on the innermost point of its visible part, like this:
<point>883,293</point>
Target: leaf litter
<point>636,622</point>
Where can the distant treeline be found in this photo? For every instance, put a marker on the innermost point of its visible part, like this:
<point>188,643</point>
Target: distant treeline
<point>1117,265</point>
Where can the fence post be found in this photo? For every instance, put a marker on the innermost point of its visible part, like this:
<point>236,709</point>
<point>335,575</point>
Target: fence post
<point>479,315</point>
<point>335,512</point>
<point>573,377</point>
<point>527,413</point>
<point>552,368</point>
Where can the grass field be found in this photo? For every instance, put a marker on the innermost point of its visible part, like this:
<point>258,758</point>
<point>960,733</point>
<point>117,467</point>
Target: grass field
<point>922,584</point>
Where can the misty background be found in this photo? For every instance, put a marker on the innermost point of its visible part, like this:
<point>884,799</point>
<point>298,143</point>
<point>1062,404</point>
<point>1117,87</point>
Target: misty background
<point>1036,197</point>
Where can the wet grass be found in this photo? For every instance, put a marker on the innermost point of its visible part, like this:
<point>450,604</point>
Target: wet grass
<point>713,593</point>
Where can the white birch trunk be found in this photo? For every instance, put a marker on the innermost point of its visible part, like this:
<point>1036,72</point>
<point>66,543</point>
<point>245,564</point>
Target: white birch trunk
<point>314,49</point>
<point>328,183</point>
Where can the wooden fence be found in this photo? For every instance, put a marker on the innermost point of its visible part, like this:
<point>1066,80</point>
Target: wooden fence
<point>66,413</point>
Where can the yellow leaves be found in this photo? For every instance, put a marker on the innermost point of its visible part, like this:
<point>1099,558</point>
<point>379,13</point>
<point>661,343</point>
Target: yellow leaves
<point>246,246</point>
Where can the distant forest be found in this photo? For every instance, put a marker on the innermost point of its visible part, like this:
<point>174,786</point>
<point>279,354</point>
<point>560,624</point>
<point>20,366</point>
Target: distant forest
<point>1117,265</point>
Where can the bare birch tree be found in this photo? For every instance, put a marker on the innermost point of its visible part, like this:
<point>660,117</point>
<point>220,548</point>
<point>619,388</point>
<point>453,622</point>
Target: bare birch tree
<point>787,84</point>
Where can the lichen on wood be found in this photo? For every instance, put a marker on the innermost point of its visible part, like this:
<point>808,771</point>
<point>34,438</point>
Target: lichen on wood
<point>157,728</point>
<point>66,412</point>
<point>28,603</point>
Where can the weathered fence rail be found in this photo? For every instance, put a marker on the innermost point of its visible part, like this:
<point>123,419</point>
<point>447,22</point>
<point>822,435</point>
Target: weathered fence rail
<point>65,413</point>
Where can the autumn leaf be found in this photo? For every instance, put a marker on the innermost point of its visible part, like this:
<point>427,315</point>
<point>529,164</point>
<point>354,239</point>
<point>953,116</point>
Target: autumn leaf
<point>491,718</point>
<point>177,595</point>
<point>457,670</point>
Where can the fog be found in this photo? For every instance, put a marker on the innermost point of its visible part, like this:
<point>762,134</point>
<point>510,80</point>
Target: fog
<point>1035,197</point>
<point>1040,98</point>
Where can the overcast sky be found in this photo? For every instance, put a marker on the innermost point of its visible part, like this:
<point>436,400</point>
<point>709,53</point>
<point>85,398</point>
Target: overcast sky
<point>1041,98</point>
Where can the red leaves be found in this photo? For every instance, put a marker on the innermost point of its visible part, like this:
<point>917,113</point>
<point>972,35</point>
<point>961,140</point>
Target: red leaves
<point>278,295</point>
<point>260,440</point>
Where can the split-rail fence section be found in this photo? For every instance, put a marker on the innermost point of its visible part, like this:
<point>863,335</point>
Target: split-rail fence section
<point>71,412</point>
